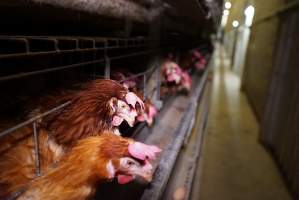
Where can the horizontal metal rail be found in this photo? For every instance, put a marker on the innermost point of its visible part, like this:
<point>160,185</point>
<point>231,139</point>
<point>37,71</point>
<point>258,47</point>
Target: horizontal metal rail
<point>133,54</point>
<point>34,126</point>
<point>145,76</point>
<point>139,74</point>
<point>72,43</point>
<point>32,120</point>
<point>54,69</point>
<point>43,53</point>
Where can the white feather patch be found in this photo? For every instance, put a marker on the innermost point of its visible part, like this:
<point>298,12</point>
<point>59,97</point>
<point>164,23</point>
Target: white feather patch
<point>116,132</point>
<point>110,169</point>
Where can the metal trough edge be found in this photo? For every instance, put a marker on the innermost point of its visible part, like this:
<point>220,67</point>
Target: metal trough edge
<point>171,152</point>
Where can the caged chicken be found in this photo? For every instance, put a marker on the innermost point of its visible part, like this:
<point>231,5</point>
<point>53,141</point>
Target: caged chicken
<point>199,60</point>
<point>174,78</point>
<point>193,60</point>
<point>148,114</point>
<point>125,77</point>
<point>91,161</point>
<point>131,82</point>
<point>101,106</point>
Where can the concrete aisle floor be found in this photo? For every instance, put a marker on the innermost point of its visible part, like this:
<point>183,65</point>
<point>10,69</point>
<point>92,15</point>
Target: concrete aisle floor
<point>234,166</point>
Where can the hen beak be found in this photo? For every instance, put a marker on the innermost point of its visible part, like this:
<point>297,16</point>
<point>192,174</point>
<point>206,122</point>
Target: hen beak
<point>130,117</point>
<point>146,179</point>
<point>131,169</point>
<point>145,173</point>
<point>131,122</point>
<point>132,99</point>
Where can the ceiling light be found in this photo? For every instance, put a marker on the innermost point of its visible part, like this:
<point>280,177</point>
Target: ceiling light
<point>227,5</point>
<point>226,12</point>
<point>249,13</point>
<point>235,23</point>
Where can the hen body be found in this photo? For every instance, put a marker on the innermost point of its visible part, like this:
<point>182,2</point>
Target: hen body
<point>88,114</point>
<point>93,160</point>
<point>79,171</point>
<point>18,162</point>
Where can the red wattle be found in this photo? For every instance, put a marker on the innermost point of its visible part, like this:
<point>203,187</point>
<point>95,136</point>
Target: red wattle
<point>117,120</point>
<point>124,179</point>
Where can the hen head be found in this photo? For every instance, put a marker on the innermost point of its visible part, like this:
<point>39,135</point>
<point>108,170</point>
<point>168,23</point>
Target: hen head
<point>148,114</point>
<point>172,72</point>
<point>121,111</point>
<point>125,159</point>
<point>121,102</point>
<point>101,105</point>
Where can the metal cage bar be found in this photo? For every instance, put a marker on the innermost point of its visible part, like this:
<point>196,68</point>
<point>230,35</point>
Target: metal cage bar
<point>33,119</point>
<point>36,150</point>
<point>54,69</point>
<point>69,44</point>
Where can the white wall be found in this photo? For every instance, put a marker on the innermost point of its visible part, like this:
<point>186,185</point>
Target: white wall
<point>241,49</point>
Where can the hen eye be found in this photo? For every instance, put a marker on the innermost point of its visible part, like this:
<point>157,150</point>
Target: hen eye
<point>130,163</point>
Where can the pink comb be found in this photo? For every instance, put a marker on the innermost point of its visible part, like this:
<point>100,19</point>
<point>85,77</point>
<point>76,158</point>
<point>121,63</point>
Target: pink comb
<point>152,111</point>
<point>143,152</point>
<point>141,118</point>
<point>174,77</point>
<point>132,99</point>
<point>147,165</point>
<point>197,54</point>
<point>199,66</point>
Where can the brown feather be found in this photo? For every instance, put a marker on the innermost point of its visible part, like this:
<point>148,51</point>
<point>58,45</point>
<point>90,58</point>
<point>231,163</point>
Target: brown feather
<point>80,170</point>
<point>87,115</point>
<point>17,166</point>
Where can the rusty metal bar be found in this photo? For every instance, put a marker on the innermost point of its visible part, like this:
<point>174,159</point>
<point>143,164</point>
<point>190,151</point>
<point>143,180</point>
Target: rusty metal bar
<point>36,150</point>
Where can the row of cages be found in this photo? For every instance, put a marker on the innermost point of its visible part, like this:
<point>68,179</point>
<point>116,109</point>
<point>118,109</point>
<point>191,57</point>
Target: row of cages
<point>32,55</point>
<point>30,45</point>
<point>61,59</point>
<point>13,46</point>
